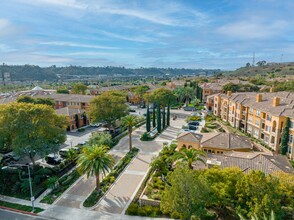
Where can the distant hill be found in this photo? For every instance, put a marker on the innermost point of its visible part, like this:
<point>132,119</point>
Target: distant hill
<point>275,68</point>
<point>53,73</point>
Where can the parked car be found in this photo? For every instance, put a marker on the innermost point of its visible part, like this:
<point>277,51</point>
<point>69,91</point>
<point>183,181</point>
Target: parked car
<point>53,159</point>
<point>193,128</point>
<point>63,152</point>
<point>194,123</point>
<point>11,156</point>
<point>82,143</point>
<point>96,125</point>
<point>132,110</point>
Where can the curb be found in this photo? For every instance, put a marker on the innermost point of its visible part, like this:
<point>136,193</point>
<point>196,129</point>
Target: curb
<point>19,211</point>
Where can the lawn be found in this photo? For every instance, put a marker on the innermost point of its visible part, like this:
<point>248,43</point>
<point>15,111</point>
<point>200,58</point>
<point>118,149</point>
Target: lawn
<point>20,207</point>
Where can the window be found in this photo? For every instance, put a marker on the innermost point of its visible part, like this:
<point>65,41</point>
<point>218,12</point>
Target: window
<point>251,110</point>
<point>268,117</point>
<point>266,139</point>
<point>250,119</point>
<point>249,129</point>
<point>257,122</point>
<point>257,113</point>
<point>290,138</point>
<point>267,128</point>
<point>292,124</point>
<point>77,104</point>
<point>256,133</point>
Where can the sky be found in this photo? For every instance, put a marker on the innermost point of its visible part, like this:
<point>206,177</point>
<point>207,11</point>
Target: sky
<point>220,34</point>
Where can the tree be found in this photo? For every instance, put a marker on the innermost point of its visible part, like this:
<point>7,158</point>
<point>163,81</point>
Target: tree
<point>180,94</point>
<point>62,91</point>
<point>95,161</point>
<point>79,88</point>
<point>109,107</point>
<point>153,116</point>
<point>163,118</point>
<point>223,185</point>
<point>129,122</point>
<point>140,91</point>
<point>100,139</point>
<point>43,101</point>
<point>285,137</point>
<point>185,194</point>
<point>71,154</point>
<point>189,156</point>
<point>188,93</point>
<point>148,123</point>
<point>158,118</point>
<point>168,115</point>
<point>32,129</point>
<point>261,63</point>
<point>258,194</point>
<point>248,65</point>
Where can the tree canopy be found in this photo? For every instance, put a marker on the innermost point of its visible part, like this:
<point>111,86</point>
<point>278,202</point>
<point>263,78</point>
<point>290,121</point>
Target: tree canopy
<point>108,107</point>
<point>79,88</point>
<point>44,101</point>
<point>31,129</point>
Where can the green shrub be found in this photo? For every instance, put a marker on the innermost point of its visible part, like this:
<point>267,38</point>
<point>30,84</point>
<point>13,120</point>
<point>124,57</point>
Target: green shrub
<point>145,137</point>
<point>132,209</point>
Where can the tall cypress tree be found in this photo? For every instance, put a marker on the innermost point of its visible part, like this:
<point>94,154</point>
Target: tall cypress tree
<point>148,119</point>
<point>154,116</point>
<point>163,118</point>
<point>158,118</point>
<point>168,115</point>
<point>285,137</point>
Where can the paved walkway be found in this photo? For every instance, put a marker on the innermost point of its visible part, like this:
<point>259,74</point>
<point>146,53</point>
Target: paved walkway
<point>125,188</point>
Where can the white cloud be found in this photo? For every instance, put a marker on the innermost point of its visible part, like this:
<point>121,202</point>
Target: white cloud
<point>252,30</point>
<point>71,44</point>
<point>142,39</point>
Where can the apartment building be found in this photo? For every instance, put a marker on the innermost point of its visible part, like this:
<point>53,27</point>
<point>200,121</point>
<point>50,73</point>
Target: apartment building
<point>262,115</point>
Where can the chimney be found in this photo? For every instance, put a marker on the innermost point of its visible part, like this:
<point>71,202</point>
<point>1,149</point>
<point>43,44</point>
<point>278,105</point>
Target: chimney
<point>272,89</point>
<point>258,97</point>
<point>276,101</point>
<point>229,93</point>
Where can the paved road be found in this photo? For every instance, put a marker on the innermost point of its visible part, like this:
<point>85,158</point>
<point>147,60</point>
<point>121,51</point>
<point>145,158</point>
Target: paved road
<point>9,215</point>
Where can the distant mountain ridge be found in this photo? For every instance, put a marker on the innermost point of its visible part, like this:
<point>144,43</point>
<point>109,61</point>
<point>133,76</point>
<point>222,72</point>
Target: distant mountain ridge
<point>265,69</point>
<point>52,73</point>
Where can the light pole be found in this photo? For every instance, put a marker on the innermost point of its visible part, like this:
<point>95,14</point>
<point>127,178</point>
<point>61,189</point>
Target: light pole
<point>30,181</point>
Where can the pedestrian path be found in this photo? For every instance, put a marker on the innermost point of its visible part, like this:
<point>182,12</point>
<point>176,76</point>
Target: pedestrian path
<point>125,188</point>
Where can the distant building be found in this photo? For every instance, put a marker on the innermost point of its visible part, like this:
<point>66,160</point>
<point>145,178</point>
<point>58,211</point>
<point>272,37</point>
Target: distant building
<point>261,115</point>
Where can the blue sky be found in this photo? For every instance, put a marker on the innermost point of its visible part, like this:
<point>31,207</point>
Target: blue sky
<point>184,34</point>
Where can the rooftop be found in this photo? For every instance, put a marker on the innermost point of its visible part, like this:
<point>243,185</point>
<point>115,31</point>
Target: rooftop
<point>265,163</point>
<point>227,141</point>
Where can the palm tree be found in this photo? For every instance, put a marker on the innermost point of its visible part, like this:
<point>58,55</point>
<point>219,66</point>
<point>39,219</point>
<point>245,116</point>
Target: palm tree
<point>129,122</point>
<point>188,93</point>
<point>189,156</point>
<point>71,154</point>
<point>180,93</point>
<point>95,161</point>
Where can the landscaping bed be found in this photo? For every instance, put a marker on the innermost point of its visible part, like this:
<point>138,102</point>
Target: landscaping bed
<point>110,178</point>
<point>63,184</point>
<point>20,207</point>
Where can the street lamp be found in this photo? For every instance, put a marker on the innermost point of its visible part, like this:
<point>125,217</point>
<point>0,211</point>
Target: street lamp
<point>30,181</point>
